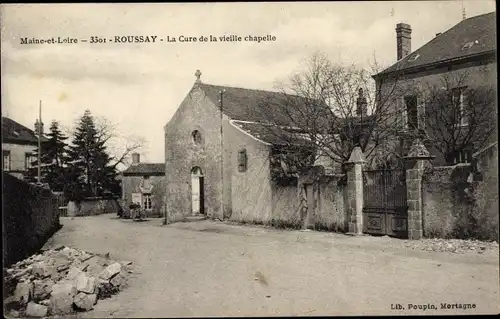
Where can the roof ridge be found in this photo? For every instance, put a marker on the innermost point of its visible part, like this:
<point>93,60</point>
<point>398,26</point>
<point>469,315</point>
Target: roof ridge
<point>483,14</point>
<point>237,87</point>
<point>248,89</point>
<point>451,53</point>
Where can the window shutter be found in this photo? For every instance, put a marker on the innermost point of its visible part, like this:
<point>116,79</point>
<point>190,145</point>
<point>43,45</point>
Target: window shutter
<point>404,114</point>
<point>242,160</point>
<point>421,113</point>
<point>465,107</point>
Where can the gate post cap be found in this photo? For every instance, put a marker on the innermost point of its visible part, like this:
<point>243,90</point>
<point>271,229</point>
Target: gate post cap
<point>357,156</point>
<point>418,151</point>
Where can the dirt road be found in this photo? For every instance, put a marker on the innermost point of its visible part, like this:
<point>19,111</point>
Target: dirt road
<point>207,268</point>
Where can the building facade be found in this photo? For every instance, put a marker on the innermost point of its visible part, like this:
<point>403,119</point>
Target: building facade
<point>19,145</point>
<point>144,184</point>
<point>457,62</point>
<point>220,157</point>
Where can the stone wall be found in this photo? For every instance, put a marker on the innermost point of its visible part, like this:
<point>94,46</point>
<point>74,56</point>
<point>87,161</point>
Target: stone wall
<point>30,217</point>
<point>286,207</point>
<point>485,193</point>
<point>94,206</point>
<point>330,212</point>
<point>447,202</point>
<point>292,207</point>
<point>131,184</point>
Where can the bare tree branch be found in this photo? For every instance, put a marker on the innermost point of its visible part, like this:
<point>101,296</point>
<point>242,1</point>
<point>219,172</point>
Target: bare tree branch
<point>323,104</point>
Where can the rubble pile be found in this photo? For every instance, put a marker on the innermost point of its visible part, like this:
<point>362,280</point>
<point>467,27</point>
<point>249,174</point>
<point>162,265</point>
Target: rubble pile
<point>61,281</point>
<point>458,246</point>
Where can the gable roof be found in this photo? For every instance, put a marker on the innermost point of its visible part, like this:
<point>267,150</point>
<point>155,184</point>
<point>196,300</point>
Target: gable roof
<point>141,169</point>
<point>271,134</point>
<point>14,132</point>
<point>449,46</point>
<point>256,105</point>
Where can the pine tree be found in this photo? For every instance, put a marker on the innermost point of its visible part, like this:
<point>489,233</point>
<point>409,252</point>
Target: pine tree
<point>53,159</point>
<point>91,172</point>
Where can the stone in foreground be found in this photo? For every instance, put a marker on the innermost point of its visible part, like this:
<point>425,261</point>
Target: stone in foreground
<point>73,273</point>
<point>61,301</point>
<point>118,280</point>
<point>85,283</point>
<point>42,289</point>
<point>85,301</point>
<point>23,292</point>
<point>43,270</point>
<point>36,310</point>
<point>110,271</point>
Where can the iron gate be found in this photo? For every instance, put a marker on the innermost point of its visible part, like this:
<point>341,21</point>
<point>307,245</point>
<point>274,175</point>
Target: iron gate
<point>385,210</point>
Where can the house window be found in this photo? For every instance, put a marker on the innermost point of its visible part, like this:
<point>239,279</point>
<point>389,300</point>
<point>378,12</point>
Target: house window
<point>463,156</point>
<point>6,160</point>
<point>410,113</point>
<point>147,202</point>
<point>196,135</point>
<point>459,106</point>
<point>137,198</point>
<point>28,160</point>
<point>242,160</point>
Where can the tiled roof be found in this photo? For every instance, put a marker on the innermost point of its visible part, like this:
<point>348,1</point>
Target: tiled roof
<point>271,134</point>
<point>479,30</point>
<point>145,169</point>
<point>258,105</point>
<point>16,133</point>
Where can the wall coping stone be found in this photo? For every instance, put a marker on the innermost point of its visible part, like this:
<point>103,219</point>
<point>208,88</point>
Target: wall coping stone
<point>357,156</point>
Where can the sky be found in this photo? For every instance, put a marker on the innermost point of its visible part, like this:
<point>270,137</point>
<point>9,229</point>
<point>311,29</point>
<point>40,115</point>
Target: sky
<point>139,86</point>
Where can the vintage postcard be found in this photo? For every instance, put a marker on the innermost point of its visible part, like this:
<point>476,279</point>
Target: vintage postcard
<point>250,159</point>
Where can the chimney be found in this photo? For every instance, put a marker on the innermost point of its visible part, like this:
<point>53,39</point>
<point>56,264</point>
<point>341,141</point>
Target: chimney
<point>361,104</point>
<point>136,158</point>
<point>403,39</point>
<point>438,34</point>
<point>38,126</point>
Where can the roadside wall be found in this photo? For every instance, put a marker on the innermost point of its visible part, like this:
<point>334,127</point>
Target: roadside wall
<point>30,217</point>
<point>286,205</point>
<point>330,212</point>
<point>485,191</point>
<point>94,206</point>
<point>327,211</point>
<point>447,202</point>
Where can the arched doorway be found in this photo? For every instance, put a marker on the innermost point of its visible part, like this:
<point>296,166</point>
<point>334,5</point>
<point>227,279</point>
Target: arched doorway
<point>197,198</point>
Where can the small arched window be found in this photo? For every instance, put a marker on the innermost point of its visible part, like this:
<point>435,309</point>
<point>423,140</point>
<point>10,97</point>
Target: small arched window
<point>196,135</point>
<point>242,160</point>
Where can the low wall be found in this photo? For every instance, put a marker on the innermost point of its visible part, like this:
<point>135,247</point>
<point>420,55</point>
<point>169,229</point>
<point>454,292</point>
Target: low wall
<point>290,203</point>
<point>94,206</point>
<point>485,193</point>
<point>286,209</point>
<point>447,202</point>
<point>330,213</point>
<point>30,217</point>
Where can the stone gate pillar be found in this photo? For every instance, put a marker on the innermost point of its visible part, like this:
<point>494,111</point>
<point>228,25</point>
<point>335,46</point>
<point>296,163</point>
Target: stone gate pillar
<point>414,165</point>
<point>354,168</point>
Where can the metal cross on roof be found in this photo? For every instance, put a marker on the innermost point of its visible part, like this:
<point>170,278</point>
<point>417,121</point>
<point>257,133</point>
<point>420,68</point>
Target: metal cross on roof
<point>198,75</point>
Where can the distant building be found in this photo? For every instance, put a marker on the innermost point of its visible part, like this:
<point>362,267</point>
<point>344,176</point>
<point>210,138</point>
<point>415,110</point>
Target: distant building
<point>144,184</point>
<point>469,48</point>
<point>19,144</point>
